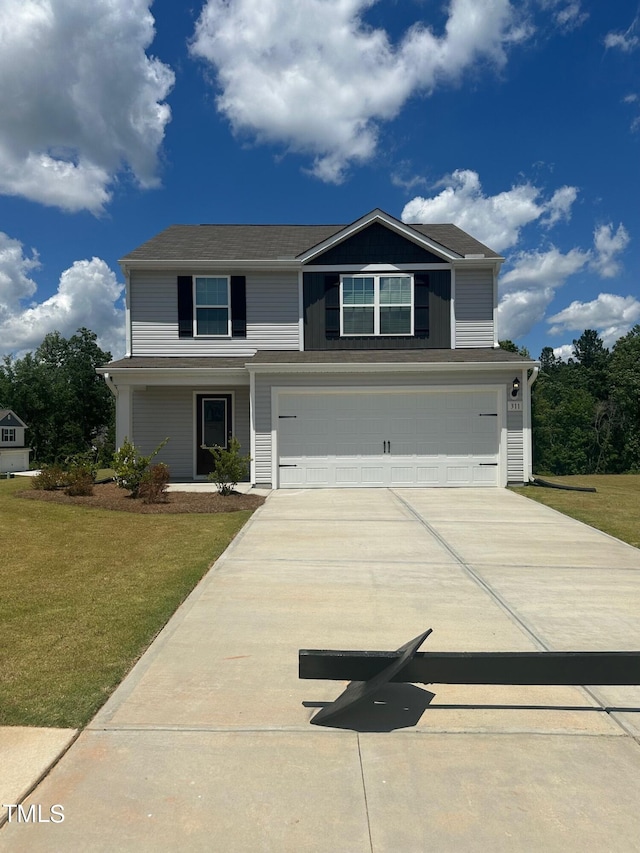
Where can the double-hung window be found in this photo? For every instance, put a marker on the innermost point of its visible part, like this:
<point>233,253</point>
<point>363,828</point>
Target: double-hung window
<point>376,305</point>
<point>8,434</point>
<point>212,306</point>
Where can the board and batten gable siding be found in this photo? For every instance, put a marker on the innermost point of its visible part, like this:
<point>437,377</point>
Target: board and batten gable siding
<point>474,308</point>
<point>272,316</point>
<point>168,412</point>
<point>265,383</point>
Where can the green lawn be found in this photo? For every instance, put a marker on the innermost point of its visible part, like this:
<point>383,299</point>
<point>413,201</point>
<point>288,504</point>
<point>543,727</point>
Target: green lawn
<point>614,507</point>
<point>82,594</point>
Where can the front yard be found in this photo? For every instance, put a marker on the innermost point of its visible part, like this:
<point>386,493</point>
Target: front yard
<point>83,592</point>
<point>613,508</point>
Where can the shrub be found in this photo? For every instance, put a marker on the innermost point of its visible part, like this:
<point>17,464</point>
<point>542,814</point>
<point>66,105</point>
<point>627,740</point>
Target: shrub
<point>130,466</point>
<point>229,467</point>
<point>80,483</point>
<point>50,478</point>
<point>154,484</point>
<point>81,473</point>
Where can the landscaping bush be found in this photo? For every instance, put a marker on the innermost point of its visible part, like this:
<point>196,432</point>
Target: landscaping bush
<point>51,477</point>
<point>229,467</point>
<point>80,483</point>
<point>130,466</point>
<point>154,484</point>
<point>81,473</point>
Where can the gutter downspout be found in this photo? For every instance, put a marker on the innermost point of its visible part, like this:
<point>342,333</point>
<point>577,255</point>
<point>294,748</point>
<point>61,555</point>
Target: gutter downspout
<point>111,385</point>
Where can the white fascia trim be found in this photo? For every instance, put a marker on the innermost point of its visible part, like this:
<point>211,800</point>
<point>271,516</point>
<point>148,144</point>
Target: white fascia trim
<point>378,216</point>
<point>389,367</point>
<point>493,263</point>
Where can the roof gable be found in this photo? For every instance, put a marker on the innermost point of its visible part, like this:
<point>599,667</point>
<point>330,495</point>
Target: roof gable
<point>380,219</point>
<point>376,244</point>
<point>10,419</point>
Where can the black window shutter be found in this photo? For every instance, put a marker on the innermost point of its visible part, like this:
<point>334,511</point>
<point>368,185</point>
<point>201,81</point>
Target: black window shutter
<point>421,305</point>
<point>332,306</point>
<point>185,306</point>
<point>238,306</point>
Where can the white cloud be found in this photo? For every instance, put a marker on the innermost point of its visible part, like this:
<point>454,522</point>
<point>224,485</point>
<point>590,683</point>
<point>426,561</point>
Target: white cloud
<point>626,41</point>
<point>611,315</point>
<point>564,353</point>
<point>80,99</point>
<point>312,75</point>
<point>566,14</point>
<point>494,220</point>
<point>520,310</point>
<point>15,267</point>
<point>551,268</point>
<point>529,287</point>
<point>608,245</point>
<point>87,295</point>
<point>571,16</point>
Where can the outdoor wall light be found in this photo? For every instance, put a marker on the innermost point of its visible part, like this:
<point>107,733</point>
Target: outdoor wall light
<point>515,387</point>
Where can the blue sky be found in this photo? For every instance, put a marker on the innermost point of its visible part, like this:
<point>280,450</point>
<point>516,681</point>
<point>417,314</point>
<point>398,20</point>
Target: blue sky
<point>518,121</point>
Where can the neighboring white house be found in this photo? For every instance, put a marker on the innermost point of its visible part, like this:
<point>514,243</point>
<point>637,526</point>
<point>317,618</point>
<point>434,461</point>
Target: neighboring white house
<point>14,456</point>
<point>356,355</point>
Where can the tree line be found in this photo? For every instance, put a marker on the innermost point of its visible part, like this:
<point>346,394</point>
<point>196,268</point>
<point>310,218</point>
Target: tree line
<point>586,410</point>
<point>66,405</point>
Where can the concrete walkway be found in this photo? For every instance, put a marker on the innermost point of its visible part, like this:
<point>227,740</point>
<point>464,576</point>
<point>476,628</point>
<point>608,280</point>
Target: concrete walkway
<point>206,746</point>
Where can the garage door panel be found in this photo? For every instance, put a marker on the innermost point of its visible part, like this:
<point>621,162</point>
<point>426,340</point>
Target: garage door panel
<point>364,438</point>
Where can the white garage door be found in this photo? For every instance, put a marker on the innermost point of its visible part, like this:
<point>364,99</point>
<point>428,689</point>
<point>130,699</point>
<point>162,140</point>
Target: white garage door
<point>390,438</point>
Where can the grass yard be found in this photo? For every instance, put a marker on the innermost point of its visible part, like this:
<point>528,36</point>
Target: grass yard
<point>614,508</point>
<point>82,594</point>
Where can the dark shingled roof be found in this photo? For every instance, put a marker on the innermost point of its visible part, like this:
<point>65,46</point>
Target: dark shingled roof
<point>138,362</point>
<point>273,242</point>
<point>411,356</point>
<point>279,357</point>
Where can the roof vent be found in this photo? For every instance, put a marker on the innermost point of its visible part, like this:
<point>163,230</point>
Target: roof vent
<point>480,255</point>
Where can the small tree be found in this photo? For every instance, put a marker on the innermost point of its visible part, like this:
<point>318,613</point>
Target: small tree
<point>130,466</point>
<point>229,467</point>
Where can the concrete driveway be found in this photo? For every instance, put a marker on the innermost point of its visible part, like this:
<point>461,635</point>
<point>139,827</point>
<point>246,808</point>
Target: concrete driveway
<point>206,746</point>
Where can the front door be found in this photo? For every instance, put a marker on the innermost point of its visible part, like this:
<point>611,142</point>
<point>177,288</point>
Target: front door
<point>213,428</point>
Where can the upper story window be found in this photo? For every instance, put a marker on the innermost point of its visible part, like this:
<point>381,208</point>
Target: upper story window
<point>8,434</point>
<point>212,306</point>
<point>376,305</point>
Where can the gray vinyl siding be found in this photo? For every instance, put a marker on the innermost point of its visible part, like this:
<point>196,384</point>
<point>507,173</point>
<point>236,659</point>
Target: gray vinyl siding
<point>264,384</point>
<point>474,308</point>
<point>164,412</point>
<point>272,317</point>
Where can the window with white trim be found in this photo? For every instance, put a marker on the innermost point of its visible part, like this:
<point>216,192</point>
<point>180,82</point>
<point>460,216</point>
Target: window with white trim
<point>376,305</point>
<point>212,306</point>
<point>8,434</point>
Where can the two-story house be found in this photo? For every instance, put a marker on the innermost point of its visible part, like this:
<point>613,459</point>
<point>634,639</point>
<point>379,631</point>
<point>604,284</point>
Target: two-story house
<point>14,454</point>
<point>356,355</point>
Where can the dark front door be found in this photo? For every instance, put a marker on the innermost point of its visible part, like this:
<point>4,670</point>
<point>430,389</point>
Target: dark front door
<point>213,429</point>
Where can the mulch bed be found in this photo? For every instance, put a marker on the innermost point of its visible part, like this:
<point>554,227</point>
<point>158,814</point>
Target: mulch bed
<point>110,496</point>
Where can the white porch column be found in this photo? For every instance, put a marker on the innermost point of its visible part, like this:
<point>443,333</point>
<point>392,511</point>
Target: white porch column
<point>124,414</point>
